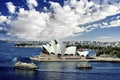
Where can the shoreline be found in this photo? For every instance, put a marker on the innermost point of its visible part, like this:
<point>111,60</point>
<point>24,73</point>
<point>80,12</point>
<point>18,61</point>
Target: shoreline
<point>98,59</point>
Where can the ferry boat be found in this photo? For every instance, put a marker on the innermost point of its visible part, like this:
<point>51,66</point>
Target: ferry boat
<point>25,66</point>
<point>83,66</point>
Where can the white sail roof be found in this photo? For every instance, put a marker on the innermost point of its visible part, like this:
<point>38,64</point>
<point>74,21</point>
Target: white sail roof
<point>53,47</point>
<point>47,47</point>
<point>71,50</point>
<point>83,53</point>
<point>57,49</point>
<point>62,47</point>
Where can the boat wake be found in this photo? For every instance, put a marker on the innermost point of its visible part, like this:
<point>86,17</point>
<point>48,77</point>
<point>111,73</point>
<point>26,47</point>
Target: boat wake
<point>107,68</point>
<point>14,59</point>
<point>46,70</point>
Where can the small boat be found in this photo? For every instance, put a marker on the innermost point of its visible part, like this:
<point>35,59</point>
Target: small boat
<point>25,66</point>
<point>83,66</point>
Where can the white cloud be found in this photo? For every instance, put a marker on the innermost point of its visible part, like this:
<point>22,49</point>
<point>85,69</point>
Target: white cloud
<point>44,1</point>
<point>37,25</point>
<point>112,22</point>
<point>1,28</point>
<point>107,38</point>
<point>1,38</point>
<point>64,21</point>
<point>29,24</point>
<point>115,23</point>
<point>3,19</point>
<point>104,37</point>
<point>32,3</point>
<point>118,17</point>
<point>10,7</point>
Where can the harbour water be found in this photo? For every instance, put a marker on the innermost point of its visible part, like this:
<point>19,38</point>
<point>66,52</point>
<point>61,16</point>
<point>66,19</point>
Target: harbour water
<point>51,70</point>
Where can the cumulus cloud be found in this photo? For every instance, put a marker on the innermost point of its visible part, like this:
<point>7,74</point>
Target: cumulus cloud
<point>1,28</point>
<point>62,21</point>
<point>112,22</point>
<point>11,7</point>
<point>29,24</point>
<point>3,19</point>
<point>115,23</point>
<point>32,4</point>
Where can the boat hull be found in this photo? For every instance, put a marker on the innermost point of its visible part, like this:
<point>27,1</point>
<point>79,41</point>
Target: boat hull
<point>84,66</point>
<point>24,68</point>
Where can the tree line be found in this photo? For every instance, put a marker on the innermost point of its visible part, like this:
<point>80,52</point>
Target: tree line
<point>100,50</point>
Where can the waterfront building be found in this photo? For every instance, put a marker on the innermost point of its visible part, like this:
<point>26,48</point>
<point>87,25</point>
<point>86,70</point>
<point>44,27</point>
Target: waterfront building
<point>54,48</point>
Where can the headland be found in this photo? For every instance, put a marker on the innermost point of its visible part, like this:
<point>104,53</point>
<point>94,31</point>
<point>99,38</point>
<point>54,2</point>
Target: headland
<point>75,59</point>
<point>55,51</point>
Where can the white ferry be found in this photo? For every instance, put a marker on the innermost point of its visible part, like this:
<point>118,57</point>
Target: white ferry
<point>25,66</point>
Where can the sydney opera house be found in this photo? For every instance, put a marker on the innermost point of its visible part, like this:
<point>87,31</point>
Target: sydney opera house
<point>57,51</point>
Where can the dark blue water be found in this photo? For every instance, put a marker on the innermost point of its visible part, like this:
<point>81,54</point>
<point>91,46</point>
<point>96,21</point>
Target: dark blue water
<point>51,70</point>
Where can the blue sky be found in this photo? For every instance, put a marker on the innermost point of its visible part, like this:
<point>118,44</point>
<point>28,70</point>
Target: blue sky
<point>61,19</point>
